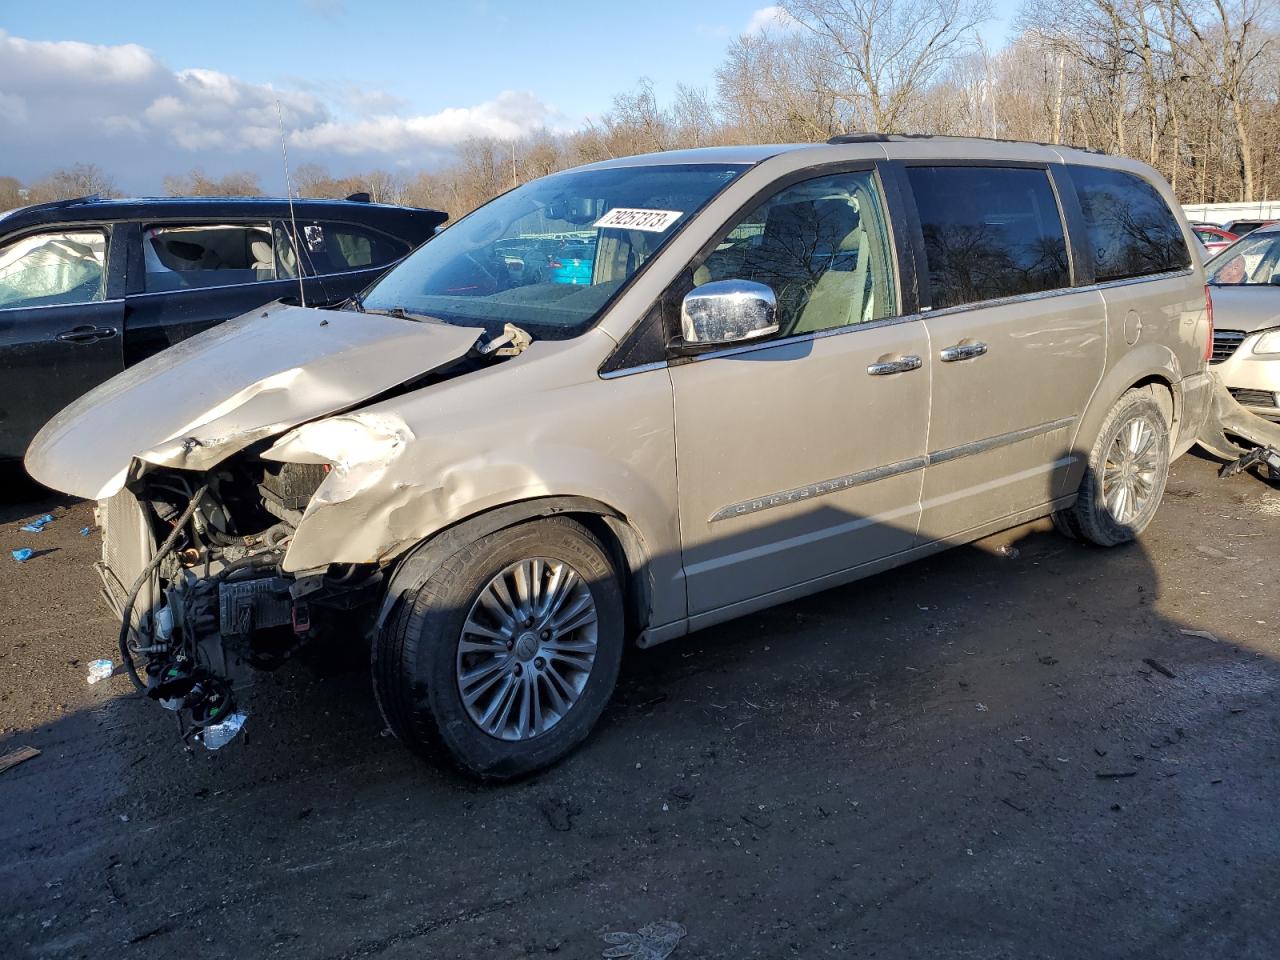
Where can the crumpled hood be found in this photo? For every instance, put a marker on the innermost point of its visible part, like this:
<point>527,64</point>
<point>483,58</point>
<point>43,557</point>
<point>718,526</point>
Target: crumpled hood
<point>1247,308</point>
<point>202,400</point>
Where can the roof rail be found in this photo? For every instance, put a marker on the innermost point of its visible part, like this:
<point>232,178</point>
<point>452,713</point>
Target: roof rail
<point>59,204</point>
<point>861,137</point>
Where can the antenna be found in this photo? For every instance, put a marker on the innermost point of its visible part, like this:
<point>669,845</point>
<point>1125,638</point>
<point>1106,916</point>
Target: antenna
<point>293,220</point>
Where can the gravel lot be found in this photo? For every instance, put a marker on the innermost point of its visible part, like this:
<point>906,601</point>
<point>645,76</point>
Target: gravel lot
<point>976,756</point>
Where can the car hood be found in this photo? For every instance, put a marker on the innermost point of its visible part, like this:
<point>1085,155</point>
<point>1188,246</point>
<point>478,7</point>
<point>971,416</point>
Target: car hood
<point>1247,308</point>
<point>200,401</point>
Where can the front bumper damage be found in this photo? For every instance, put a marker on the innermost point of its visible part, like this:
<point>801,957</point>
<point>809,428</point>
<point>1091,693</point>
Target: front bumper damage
<point>1244,439</point>
<point>193,565</point>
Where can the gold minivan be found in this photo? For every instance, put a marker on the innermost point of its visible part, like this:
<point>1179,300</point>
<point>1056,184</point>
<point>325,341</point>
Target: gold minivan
<point>765,371</point>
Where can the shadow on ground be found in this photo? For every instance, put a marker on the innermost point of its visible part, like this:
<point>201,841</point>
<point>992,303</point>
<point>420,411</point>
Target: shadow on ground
<point>971,756</point>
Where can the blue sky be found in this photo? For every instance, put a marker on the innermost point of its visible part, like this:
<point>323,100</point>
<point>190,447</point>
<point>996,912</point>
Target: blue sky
<point>411,77</point>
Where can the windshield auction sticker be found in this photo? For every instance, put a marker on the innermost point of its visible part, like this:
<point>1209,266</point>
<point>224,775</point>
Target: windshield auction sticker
<point>628,218</point>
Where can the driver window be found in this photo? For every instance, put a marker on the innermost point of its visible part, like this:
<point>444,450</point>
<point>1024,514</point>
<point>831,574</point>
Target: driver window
<point>822,246</point>
<point>53,268</point>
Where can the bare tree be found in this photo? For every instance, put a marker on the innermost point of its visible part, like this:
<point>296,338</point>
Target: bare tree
<point>11,193</point>
<point>196,184</point>
<point>78,180</point>
<point>882,53</point>
<point>1230,38</point>
<point>1190,86</point>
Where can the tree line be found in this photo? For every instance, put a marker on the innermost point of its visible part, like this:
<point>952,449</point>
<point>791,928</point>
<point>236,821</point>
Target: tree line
<point>1192,87</point>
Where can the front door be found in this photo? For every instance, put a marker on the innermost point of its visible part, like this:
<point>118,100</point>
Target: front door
<point>190,276</point>
<point>802,457</point>
<point>1015,351</point>
<point>60,327</point>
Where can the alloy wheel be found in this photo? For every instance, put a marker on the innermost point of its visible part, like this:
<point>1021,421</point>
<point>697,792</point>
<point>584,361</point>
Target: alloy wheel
<point>527,648</point>
<point>1131,470</point>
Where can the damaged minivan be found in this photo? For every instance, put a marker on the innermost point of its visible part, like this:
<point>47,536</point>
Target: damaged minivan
<point>772,370</point>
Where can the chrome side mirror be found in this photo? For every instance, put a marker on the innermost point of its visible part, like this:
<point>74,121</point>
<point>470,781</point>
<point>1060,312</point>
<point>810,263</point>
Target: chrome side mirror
<point>727,311</point>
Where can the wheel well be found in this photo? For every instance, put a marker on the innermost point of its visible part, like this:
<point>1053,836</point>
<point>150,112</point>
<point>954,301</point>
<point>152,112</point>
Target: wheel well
<point>626,549</point>
<point>629,558</point>
<point>1162,393</point>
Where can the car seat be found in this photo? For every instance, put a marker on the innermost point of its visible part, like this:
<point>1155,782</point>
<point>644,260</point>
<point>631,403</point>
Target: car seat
<point>264,267</point>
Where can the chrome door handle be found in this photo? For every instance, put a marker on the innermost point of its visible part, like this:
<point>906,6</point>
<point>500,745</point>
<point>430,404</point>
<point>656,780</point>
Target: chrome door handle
<point>962,351</point>
<point>886,367</point>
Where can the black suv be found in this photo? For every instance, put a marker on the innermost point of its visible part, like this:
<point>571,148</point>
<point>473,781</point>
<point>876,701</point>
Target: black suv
<point>90,286</point>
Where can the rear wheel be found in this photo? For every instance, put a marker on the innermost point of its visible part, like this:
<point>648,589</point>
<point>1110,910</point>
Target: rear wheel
<point>1127,471</point>
<point>506,657</point>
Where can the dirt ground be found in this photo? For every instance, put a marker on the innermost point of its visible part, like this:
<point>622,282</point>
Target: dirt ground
<point>976,756</point>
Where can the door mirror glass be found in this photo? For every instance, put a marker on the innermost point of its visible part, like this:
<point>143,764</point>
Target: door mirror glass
<point>728,311</point>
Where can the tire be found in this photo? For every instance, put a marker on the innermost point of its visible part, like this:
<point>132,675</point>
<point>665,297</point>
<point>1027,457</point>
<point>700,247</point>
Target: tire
<point>420,664</point>
<point>1118,498</point>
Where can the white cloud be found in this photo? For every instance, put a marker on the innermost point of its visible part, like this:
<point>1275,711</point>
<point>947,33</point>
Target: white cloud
<point>770,19</point>
<point>509,115</point>
<point>121,107</point>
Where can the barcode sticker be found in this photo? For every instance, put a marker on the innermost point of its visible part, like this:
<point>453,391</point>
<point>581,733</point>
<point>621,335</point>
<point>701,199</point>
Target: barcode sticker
<point>631,218</point>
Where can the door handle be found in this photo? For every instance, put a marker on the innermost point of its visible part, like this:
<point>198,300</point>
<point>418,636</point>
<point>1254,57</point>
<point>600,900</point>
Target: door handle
<point>85,334</point>
<point>901,365</point>
<point>962,351</point>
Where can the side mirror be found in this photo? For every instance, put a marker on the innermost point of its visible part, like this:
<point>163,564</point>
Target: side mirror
<point>727,311</point>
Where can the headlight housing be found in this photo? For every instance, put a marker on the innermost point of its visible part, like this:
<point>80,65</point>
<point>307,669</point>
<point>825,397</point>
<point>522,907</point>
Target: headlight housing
<point>1269,342</point>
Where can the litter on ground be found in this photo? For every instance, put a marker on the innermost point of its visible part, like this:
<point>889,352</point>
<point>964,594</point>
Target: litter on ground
<point>15,757</point>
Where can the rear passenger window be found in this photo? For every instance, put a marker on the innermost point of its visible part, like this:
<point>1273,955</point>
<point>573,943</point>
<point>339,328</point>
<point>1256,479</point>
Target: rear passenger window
<point>340,247</point>
<point>207,255</point>
<point>1131,230</point>
<point>822,246</point>
<point>989,232</point>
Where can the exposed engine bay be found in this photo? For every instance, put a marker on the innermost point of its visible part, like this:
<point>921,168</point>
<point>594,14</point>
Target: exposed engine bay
<point>193,564</point>
<point>212,605</point>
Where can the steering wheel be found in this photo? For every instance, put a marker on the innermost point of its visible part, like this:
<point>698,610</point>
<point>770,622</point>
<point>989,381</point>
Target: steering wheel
<point>501,280</point>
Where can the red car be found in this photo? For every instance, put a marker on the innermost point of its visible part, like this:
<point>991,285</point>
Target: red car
<point>1214,238</point>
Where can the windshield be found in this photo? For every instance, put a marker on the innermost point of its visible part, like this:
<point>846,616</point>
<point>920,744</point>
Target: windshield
<point>1250,261</point>
<point>550,255</point>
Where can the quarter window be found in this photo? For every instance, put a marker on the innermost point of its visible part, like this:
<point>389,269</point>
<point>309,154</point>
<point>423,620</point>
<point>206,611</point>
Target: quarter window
<point>822,246</point>
<point>207,255</point>
<point>53,268</point>
<point>342,247</point>
<point>351,248</point>
<point>1131,229</point>
<point>989,232</point>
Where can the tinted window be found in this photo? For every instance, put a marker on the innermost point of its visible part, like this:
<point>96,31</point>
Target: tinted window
<point>339,247</point>
<point>1131,230</point>
<point>989,232</point>
<point>207,255</point>
<point>52,268</point>
<point>823,248</point>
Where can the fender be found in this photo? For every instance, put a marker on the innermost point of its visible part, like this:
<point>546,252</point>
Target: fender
<point>417,566</point>
<point>1147,363</point>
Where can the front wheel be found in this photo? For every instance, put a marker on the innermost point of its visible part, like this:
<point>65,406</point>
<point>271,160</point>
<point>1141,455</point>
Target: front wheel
<point>1127,471</point>
<point>508,654</point>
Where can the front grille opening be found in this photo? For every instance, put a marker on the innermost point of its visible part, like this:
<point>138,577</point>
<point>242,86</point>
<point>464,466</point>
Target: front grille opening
<point>1225,343</point>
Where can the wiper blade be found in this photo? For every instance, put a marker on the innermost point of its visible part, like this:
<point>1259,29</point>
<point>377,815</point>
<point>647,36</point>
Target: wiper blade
<point>399,312</point>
